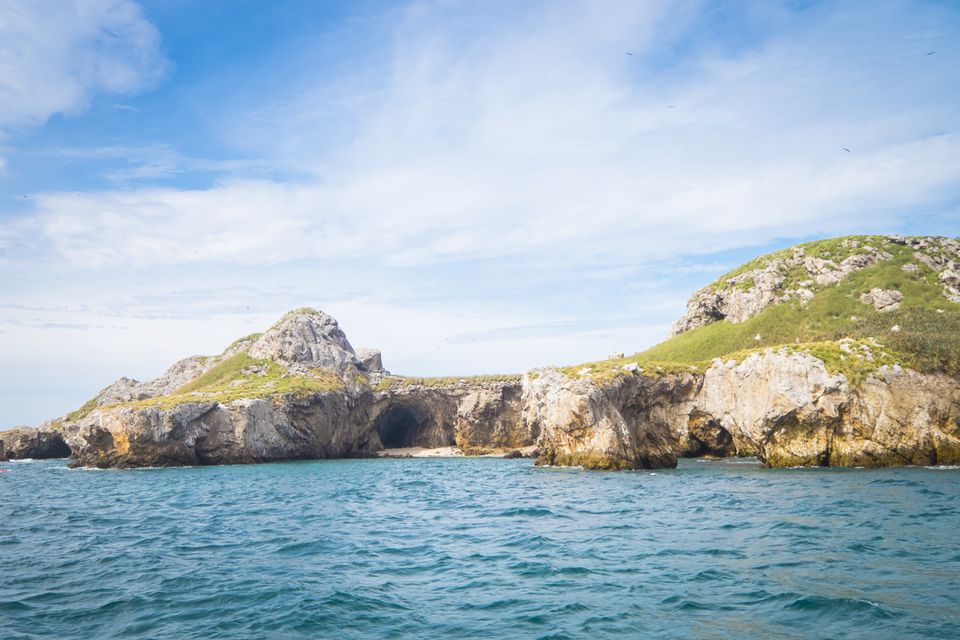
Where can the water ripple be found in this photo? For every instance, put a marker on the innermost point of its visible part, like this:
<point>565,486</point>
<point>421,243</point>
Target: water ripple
<point>478,548</point>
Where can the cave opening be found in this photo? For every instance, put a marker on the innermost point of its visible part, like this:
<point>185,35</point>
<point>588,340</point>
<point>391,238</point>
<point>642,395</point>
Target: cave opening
<point>708,438</point>
<point>401,427</point>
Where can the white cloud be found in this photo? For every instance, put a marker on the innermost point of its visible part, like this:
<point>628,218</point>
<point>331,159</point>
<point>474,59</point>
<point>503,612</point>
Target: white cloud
<point>54,55</point>
<point>518,185</point>
<point>541,138</point>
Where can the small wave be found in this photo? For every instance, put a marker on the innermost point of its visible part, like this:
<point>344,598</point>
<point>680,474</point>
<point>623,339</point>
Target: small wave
<point>751,461</point>
<point>841,608</point>
<point>710,575</point>
<point>300,549</point>
<point>895,482</point>
<point>793,526</point>
<point>494,605</point>
<point>526,511</point>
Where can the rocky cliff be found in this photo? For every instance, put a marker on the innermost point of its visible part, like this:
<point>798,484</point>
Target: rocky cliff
<point>862,368</point>
<point>297,391</point>
<point>840,352</point>
<point>780,405</point>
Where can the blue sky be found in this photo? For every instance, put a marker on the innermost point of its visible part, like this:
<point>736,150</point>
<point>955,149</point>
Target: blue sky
<point>472,187</point>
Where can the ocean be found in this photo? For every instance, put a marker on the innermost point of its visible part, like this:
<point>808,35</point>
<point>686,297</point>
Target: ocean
<point>478,548</point>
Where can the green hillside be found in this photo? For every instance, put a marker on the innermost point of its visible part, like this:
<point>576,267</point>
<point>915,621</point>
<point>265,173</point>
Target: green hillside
<point>923,333</point>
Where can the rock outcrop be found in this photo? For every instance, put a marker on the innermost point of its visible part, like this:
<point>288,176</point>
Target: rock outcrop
<point>306,338</point>
<point>27,442</point>
<point>883,300</point>
<point>477,417</point>
<point>622,426</point>
<point>784,407</point>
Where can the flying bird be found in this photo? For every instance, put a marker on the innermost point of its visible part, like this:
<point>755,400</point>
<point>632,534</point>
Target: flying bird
<point>847,150</point>
<point>628,53</point>
<point>931,53</point>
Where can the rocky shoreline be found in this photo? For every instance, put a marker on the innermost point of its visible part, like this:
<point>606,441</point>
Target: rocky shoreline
<point>300,391</point>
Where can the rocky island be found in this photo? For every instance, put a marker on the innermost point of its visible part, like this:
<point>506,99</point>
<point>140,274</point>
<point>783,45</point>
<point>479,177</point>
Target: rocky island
<point>840,352</point>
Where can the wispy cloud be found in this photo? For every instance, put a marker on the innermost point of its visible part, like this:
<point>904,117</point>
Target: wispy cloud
<point>514,141</point>
<point>140,163</point>
<point>55,55</point>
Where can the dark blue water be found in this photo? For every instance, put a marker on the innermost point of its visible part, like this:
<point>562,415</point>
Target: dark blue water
<point>478,548</point>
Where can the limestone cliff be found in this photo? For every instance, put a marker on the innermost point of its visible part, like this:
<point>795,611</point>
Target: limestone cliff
<point>784,407</point>
<point>298,391</point>
<point>863,368</point>
<point>840,352</point>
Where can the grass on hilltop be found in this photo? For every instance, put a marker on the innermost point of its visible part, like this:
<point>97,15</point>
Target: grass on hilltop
<point>929,325</point>
<point>927,339</point>
<point>242,376</point>
<point>391,382</point>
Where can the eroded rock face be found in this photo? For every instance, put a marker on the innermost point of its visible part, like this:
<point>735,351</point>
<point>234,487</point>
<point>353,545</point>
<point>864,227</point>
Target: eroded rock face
<point>624,426</point>
<point>308,338</point>
<point>27,442</point>
<point>784,407</point>
<point>341,424</point>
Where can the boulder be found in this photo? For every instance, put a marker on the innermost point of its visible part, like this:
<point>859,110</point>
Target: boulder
<point>370,360</point>
<point>883,300</point>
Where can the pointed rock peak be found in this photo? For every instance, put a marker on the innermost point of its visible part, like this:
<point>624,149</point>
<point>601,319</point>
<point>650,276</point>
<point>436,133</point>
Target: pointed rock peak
<point>308,337</point>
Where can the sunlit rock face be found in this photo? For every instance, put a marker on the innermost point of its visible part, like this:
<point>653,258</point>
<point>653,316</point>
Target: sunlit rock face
<point>785,408</point>
<point>346,405</point>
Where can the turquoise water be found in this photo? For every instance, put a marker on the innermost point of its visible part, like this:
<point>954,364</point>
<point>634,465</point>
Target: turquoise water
<point>478,548</point>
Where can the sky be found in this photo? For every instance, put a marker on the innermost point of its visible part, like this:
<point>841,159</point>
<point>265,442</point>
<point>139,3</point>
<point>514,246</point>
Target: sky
<point>472,187</point>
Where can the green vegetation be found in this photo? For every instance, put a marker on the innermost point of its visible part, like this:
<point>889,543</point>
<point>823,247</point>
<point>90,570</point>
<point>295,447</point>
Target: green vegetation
<point>242,376</point>
<point>83,411</point>
<point>250,338</point>
<point>834,249</point>
<point>928,338</point>
<point>450,381</point>
<point>923,334</point>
